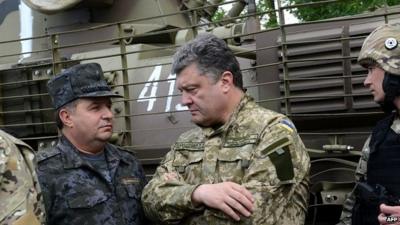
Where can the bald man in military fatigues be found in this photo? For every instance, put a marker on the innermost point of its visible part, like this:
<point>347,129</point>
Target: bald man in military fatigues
<point>243,164</point>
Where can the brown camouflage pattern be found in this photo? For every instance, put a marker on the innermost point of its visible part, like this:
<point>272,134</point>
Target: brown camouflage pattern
<point>241,152</point>
<point>20,198</point>
<point>374,51</point>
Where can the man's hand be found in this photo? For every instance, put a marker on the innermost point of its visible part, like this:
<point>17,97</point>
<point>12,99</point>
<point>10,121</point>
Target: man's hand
<point>231,198</point>
<point>389,215</point>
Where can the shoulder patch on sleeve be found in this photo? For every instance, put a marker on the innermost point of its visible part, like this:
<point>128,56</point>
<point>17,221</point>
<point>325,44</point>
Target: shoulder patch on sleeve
<point>282,160</point>
<point>287,125</point>
<point>278,143</point>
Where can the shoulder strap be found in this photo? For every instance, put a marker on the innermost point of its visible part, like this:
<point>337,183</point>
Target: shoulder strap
<point>47,153</point>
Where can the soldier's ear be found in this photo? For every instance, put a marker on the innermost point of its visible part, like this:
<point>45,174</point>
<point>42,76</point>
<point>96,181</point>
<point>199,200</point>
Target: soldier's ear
<point>65,117</point>
<point>226,81</point>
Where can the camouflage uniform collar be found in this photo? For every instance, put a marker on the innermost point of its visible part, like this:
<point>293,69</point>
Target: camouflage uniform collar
<point>114,154</point>
<point>72,158</point>
<point>209,132</point>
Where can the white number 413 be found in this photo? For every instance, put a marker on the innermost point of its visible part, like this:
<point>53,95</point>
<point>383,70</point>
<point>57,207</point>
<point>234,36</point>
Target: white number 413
<point>152,86</point>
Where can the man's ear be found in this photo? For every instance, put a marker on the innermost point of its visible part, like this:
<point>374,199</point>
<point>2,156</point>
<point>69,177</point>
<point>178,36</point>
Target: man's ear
<point>65,117</point>
<point>227,81</point>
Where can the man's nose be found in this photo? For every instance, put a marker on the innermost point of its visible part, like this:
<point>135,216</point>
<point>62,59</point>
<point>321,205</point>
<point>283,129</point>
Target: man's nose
<point>186,99</point>
<point>367,81</point>
<point>108,114</point>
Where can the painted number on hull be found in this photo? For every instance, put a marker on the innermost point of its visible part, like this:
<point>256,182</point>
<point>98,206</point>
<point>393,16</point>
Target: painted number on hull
<point>152,85</point>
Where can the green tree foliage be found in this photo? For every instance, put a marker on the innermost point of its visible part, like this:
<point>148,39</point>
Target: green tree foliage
<point>270,20</point>
<point>267,14</point>
<point>311,13</point>
<point>336,9</point>
<point>218,15</point>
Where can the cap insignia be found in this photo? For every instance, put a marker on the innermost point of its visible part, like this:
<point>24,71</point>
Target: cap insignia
<point>390,43</point>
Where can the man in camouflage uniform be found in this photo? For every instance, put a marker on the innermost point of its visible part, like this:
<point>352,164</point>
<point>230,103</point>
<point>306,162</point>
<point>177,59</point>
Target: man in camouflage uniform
<point>20,198</point>
<point>84,179</point>
<point>379,164</point>
<point>244,164</point>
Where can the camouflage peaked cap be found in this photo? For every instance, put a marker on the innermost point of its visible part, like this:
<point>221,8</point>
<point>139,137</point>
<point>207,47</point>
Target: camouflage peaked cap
<point>83,80</point>
<point>382,47</point>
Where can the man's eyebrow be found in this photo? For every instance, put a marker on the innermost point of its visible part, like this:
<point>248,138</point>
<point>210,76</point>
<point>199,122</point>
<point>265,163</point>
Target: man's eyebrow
<point>188,86</point>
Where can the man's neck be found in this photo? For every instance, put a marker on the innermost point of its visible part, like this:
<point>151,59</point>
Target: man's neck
<point>236,97</point>
<point>89,152</point>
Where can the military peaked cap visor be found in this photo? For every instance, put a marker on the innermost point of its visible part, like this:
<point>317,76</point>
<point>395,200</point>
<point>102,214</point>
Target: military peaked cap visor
<point>79,81</point>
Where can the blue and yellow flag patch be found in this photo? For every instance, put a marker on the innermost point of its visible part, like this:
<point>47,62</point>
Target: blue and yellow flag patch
<point>287,125</point>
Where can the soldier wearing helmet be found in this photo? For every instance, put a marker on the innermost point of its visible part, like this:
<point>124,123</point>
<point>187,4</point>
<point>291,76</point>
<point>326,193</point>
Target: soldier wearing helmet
<point>376,186</point>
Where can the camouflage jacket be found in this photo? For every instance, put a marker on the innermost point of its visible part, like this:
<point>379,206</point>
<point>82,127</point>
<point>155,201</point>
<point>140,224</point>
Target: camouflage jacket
<point>20,199</point>
<point>75,193</point>
<point>361,174</point>
<point>258,148</point>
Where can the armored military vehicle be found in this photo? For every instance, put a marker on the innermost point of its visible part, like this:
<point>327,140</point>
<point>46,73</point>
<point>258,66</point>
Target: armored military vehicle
<point>305,70</point>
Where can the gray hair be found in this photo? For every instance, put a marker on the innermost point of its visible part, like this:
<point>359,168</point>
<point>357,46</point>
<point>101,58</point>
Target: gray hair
<point>212,57</point>
<point>71,106</point>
